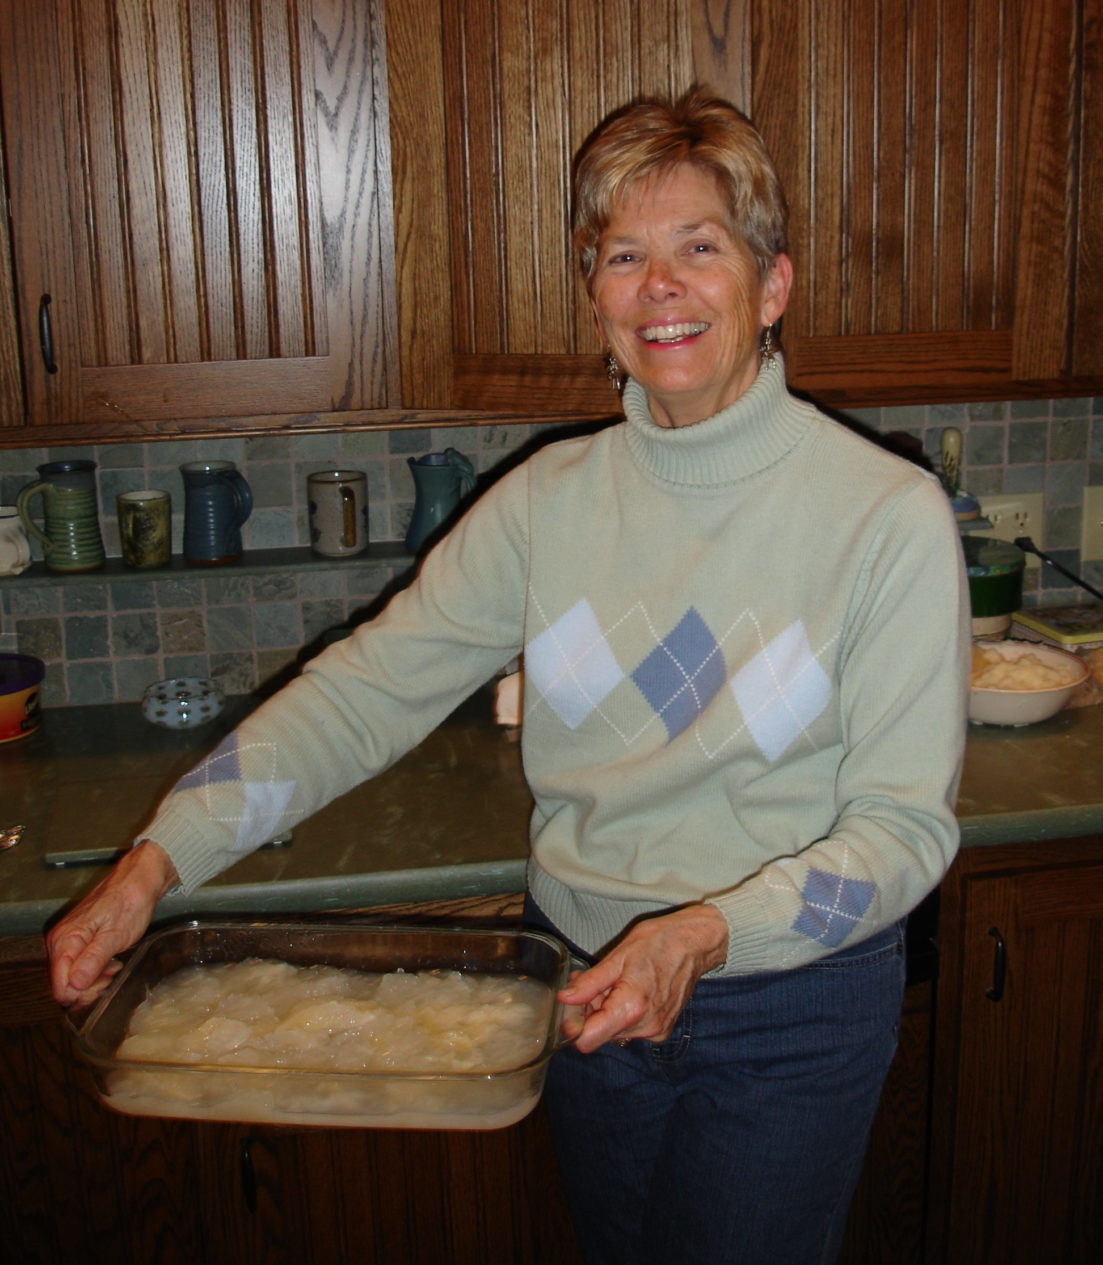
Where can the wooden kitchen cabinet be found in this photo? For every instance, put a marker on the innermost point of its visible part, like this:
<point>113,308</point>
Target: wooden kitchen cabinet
<point>933,156</point>
<point>200,212</point>
<point>987,1146</point>
<point>240,216</point>
<point>944,174</point>
<point>1017,1134</point>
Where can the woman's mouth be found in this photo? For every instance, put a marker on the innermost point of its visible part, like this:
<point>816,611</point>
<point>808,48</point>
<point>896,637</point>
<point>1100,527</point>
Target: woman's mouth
<point>672,333</point>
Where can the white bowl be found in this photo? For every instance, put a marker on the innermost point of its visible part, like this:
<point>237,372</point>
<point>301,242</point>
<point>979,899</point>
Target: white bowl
<point>1025,707</point>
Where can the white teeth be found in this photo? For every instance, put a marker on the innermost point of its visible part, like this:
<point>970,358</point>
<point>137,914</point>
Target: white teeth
<point>671,333</point>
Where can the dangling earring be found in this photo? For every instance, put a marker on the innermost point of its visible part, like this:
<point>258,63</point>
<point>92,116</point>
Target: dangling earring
<point>767,344</point>
<point>613,370</point>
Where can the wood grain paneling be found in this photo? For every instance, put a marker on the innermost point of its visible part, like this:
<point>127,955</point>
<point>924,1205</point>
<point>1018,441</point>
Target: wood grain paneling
<point>894,183</point>
<point>927,151</point>
<point>11,369</point>
<point>200,183</point>
<point>1015,1162</point>
<point>1087,347</point>
<point>519,84</point>
<point>928,173</point>
<point>192,120</point>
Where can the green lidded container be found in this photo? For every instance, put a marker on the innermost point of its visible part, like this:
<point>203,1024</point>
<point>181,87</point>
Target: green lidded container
<point>995,573</point>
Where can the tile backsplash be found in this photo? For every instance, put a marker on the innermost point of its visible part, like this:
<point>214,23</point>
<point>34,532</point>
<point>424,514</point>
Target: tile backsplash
<point>106,639</point>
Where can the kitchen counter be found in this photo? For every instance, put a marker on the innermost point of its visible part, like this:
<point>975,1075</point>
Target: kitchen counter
<point>450,819</point>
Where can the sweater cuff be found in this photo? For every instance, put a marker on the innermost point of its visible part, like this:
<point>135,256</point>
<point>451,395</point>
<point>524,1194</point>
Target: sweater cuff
<point>749,932</point>
<point>195,863</point>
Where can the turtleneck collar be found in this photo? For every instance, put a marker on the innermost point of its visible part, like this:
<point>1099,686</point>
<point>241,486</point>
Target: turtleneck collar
<point>741,440</point>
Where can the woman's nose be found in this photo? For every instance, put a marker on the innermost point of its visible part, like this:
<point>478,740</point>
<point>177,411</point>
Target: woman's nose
<point>661,280</point>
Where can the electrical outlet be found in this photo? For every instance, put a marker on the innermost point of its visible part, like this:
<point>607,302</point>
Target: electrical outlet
<point>1014,514</point>
<point>1091,528</point>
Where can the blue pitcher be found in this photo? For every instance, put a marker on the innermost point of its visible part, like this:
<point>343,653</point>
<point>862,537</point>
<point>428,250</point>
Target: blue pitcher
<point>217,501</point>
<point>440,479</point>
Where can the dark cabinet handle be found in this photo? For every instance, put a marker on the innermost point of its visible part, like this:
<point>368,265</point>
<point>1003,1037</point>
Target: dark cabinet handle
<point>999,966</point>
<point>248,1174</point>
<point>46,334</point>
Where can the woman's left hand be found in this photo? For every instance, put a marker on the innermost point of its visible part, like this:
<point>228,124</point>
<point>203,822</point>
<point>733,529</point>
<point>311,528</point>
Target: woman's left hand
<point>640,987</point>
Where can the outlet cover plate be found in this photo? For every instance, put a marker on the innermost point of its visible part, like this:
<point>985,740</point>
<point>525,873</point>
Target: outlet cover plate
<point>1091,529</point>
<point>1014,514</point>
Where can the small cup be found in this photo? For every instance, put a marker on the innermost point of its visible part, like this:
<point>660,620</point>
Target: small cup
<point>338,512</point>
<point>145,528</point>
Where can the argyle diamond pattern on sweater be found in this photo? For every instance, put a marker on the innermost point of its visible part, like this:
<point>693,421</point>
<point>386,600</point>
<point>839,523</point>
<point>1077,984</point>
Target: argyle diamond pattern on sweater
<point>833,906</point>
<point>264,799</point>
<point>781,691</point>
<point>572,666</point>
<point>221,765</point>
<point>681,676</point>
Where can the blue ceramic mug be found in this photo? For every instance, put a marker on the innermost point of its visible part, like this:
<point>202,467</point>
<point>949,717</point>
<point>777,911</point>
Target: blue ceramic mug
<point>217,501</point>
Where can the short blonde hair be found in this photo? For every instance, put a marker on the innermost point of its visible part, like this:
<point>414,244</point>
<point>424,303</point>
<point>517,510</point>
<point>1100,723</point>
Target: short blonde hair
<point>649,138</point>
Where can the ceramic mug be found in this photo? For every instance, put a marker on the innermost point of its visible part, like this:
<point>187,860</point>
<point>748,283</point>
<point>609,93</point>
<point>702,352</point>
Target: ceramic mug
<point>217,501</point>
<point>145,528</point>
<point>15,548</point>
<point>338,503</point>
<point>71,540</point>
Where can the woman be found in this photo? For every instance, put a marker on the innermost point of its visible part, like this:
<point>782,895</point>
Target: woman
<point>744,633</point>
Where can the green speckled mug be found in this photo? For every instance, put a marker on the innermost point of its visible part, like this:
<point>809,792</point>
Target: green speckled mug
<point>71,540</point>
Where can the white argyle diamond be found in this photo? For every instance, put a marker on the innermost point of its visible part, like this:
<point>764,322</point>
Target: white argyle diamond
<point>571,665</point>
<point>781,691</point>
<point>265,805</point>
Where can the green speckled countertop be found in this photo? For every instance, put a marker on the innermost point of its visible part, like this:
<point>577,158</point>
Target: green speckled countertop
<point>449,819</point>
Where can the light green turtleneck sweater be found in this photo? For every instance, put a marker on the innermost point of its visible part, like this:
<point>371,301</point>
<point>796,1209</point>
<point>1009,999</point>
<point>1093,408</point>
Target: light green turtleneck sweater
<point>745,647</point>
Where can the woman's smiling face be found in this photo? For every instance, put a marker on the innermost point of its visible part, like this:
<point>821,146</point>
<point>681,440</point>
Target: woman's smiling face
<point>678,297</point>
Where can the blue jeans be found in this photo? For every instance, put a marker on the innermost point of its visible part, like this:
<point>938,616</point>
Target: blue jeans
<point>739,1140</point>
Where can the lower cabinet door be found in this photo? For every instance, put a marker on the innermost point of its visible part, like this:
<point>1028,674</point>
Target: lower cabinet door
<point>1017,1157</point>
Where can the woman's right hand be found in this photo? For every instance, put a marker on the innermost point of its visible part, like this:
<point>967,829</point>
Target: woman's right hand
<point>111,918</point>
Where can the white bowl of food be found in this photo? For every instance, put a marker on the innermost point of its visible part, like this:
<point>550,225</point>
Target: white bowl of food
<point>1021,682</point>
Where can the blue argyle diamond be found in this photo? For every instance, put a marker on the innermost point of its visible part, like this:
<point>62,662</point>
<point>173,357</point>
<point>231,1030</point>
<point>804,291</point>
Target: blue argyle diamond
<point>682,674</point>
<point>833,906</point>
<point>222,765</point>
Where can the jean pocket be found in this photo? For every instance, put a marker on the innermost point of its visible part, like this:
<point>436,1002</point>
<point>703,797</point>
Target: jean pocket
<point>883,945</point>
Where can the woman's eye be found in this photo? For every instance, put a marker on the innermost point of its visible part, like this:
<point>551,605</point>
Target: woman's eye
<point>701,248</point>
<point>624,257</point>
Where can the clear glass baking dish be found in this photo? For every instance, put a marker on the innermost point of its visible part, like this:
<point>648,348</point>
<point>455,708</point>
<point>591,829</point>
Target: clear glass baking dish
<point>307,1096</point>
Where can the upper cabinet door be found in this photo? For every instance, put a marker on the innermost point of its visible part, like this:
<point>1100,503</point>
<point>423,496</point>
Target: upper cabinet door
<point>929,154</point>
<point>489,100</point>
<point>196,190</point>
<point>945,215</point>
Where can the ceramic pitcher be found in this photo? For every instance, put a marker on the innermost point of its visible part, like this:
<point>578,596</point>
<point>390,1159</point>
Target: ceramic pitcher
<point>217,501</point>
<point>440,479</point>
<point>71,538</point>
<point>15,548</point>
